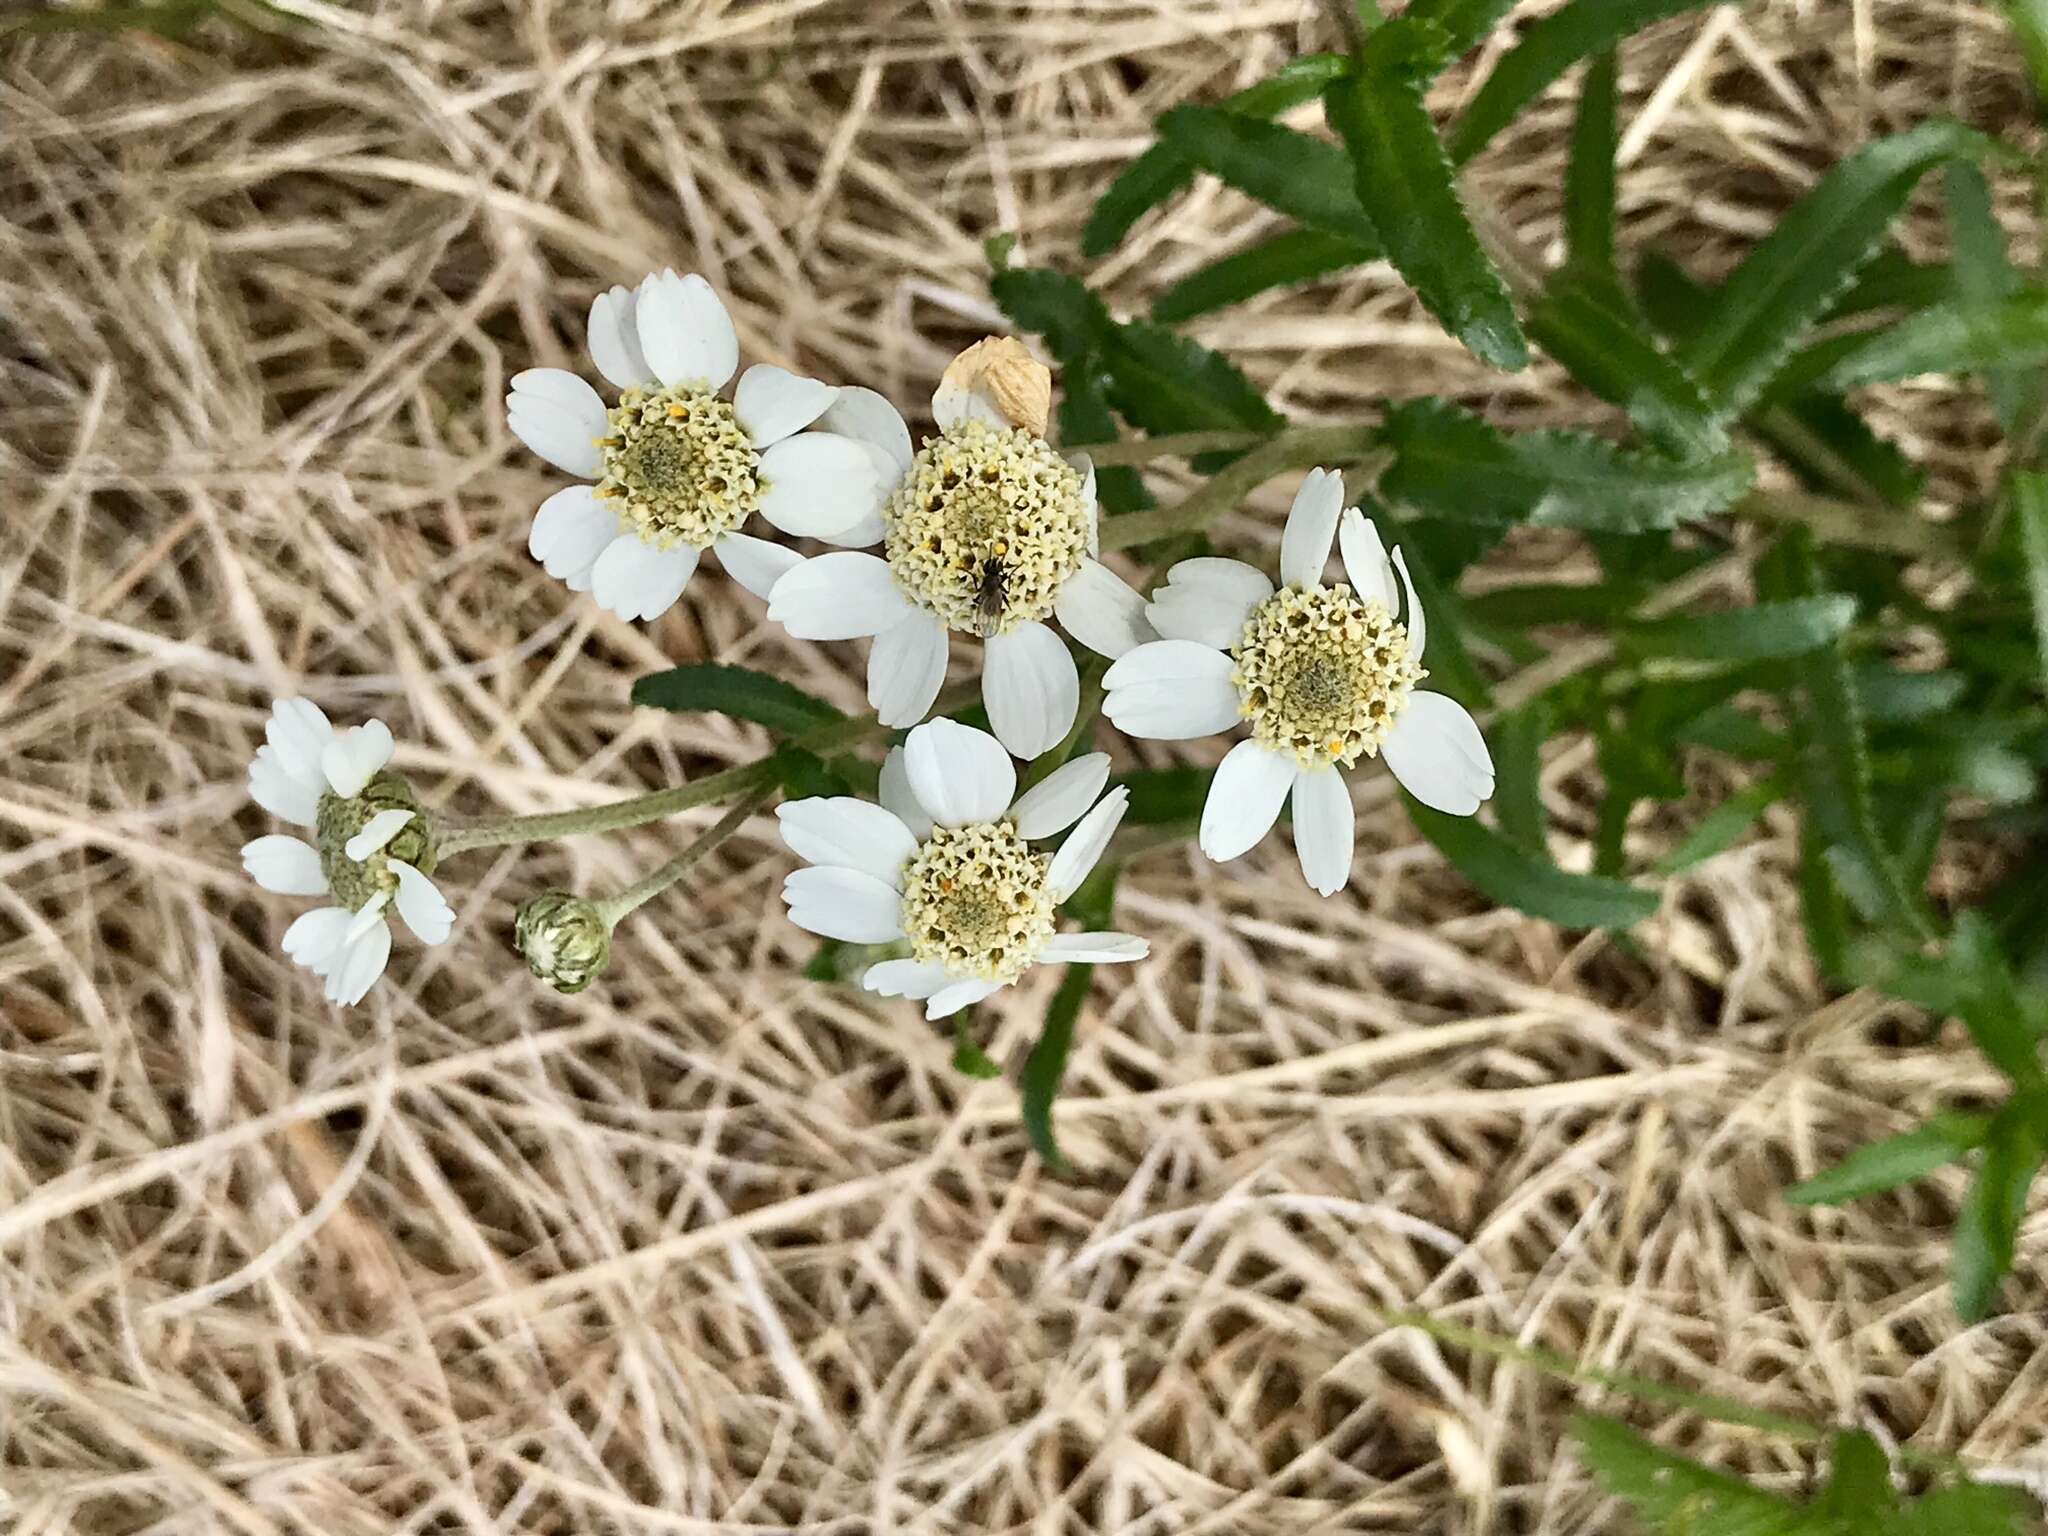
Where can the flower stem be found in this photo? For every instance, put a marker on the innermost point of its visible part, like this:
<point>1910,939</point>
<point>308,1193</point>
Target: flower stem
<point>641,891</point>
<point>1298,448</point>
<point>1177,445</point>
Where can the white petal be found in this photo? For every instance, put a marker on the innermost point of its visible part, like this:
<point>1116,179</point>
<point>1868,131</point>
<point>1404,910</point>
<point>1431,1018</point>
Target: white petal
<point>570,531</point>
<point>1057,801</point>
<point>421,904</point>
<point>1207,601</point>
<point>1311,525</point>
<point>314,938</point>
<point>559,417</point>
<point>298,733</point>
<point>953,403</point>
<point>1245,798</point>
<point>283,794</point>
<point>284,865</point>
<point>685,333</point>
<point>1437,753</point>
<point>1092,949</point>
<point>755,564</point>
<point>357,968</point>
<point>818,483</point>
<point>906,666</point>
<point>1031,687</point>
<point>1172,690</point>
<point>961,994</point>
<point>1365,559</point>
<point>635,580</point>
<point>960,775</point>
<point>844,904</point>
<point>900,798</point>
<point>356,756</point>
<point>1093,512</point>
<point>1417,634</point>
<point>868,417</point>
<point>369,915</point>
<point>615,340</point>
<point>838,596</point>
<point>841,832</point>
<point>376,833</point>
<point>772,402</point>
<point>905,978</point>
<point>1102,611</point>
<point>1323,828</point>
<point>1079,854</point>
<point>859,535</point>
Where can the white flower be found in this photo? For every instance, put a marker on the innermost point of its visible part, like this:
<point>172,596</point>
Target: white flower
<point>678,468</point>
<point>372,849</point>
<point>945,861</point>
<point>988,532</point>
<point>1324,675</point>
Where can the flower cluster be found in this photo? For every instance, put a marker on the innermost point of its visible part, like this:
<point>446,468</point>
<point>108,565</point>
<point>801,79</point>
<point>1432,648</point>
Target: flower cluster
<point>984,532</point>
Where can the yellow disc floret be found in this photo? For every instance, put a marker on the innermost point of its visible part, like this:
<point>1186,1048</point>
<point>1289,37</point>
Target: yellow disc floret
<point>1323,675</point>
<point>678,467</point>
<point>986,527</point>
<point>975,900</point>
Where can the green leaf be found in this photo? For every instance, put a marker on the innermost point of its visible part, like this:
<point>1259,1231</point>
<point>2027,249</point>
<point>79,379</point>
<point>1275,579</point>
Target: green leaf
<point>1279,262</point>
<point>1549,47</point>
<point>1305,178</point>
<point>1599,344</point>
<point>1890,696</point>
<point>1463,23</point>
<point>737,691</point>
<point>1407,181</point>
<point>1528,881</point>
<point>1722,827</point>
<point>1044,1068</point>
<point>1165,796</point>
<point>1085,418</point>
<point>1951,338</point>
<point>1983,277</point>
<point>1989,1002</point>
<point>969,1059</point>
<point>1987,1227</point>
<point>1162,382</point>
<point>1896,1160</point>
<point>802,774</point>
<point>1672,1494</point>
<point>2029,19</point>
<point>1518,739</point>
<point>1589,179</point>
<point>1970,1509</point>
<point>1450,464</point>
<point>1164,170</point>
<point>1858,1498</point>
<point>2030,505</point>
<point>1760,633</point>
<point>1808,259</point>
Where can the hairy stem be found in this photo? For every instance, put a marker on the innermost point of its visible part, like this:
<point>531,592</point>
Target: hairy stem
<point>1296,448</point>
<point>651,885</point>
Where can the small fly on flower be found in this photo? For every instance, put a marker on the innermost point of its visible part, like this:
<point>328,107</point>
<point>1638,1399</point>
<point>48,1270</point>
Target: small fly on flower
<point>992,588</point>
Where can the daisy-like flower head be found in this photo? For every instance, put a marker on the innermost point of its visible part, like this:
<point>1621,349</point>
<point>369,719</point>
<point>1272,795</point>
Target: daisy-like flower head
<point>372,848</point>
<point>1323,675</point>
<point>946,863</point>
<point>677,468</point>
<point>988,532</point>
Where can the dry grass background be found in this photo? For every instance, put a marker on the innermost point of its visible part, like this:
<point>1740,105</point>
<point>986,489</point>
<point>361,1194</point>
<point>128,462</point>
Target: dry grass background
<point>712,1248</point>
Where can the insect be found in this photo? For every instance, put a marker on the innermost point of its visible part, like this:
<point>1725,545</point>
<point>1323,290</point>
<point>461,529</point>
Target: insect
<point>992,586</point>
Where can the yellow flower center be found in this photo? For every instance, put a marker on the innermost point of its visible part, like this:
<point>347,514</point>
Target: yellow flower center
<point>678,467</point>
<point>1322,675</point>
<point>975,900</point>
<point>986,527</point>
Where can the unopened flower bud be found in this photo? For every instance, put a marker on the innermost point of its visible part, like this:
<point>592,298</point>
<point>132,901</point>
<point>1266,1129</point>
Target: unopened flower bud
<point>564,940</point>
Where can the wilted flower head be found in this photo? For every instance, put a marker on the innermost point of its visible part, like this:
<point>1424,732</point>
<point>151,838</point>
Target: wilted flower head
<point>373,846</point>
<point>988,532</point>
<point>946,863</point>
<point>1323,675</point>
<point>677,468</point>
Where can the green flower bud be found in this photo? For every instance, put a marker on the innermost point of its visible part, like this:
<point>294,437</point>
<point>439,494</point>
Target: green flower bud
<point>564,939</point>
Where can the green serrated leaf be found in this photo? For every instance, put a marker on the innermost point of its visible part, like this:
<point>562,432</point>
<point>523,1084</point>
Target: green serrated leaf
<point>1450,464</point>
<point>1890,696</point>
<point>1896,1160</point>
<point>1528,881</point>
<point>969,1059</point>
<point>1518,738</point>
<point>2030,506</point>
<point>1763,632</point>
<point>1550,46</point>
<point>1951,338</point>
<point>1722,827</point>
<point>1589,179</point>
<point>1987,1226</point>
<point>1983,279</point>
<point>1060,308</point>
<point>2029,21</point>
<point>1280,262</point>
<point>1676,1496</point>
<point>1164,170</point>
<point>1046,1066</point>
<point>737,691</point>
<point>1406,179</point>
<point>1085,418</point>
<point>1603,347</point>
<point>1858,1498</point>
<point>1162,382</point>
<point>1305,178</point>
<point>1790,279</point>
<point>1463,24</point>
